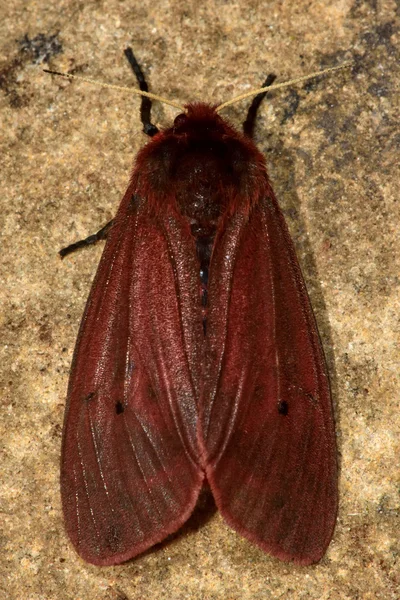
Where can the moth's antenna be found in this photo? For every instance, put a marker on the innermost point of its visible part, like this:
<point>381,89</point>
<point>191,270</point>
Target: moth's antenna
<point>282,85</point>
<point>117,87</point>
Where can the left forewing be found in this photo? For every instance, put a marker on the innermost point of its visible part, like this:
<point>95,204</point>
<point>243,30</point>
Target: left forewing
<point>130,473</point>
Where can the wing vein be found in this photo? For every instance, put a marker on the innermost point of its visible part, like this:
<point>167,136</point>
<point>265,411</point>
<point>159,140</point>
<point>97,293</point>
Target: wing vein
<point>138,462</point>
<point>98,460</point>
<point>87,493</point>
<point>230,256</point>
<point>181,320</point>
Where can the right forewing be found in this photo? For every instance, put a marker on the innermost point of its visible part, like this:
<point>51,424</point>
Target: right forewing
<point>267,421</point>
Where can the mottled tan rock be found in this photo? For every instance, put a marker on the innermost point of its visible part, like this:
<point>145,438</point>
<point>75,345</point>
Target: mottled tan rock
<point>332,148</point>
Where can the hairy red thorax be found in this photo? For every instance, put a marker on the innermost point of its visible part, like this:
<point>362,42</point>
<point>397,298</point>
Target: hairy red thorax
<point>202,167</point>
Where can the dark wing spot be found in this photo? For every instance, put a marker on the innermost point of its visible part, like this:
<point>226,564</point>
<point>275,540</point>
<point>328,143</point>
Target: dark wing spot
<point>119,408</point>
<point>283,407</point>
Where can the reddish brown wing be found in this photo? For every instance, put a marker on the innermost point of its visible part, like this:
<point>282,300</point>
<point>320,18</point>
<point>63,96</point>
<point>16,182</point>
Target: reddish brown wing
<point>130,474</point>
<point>267,424</point>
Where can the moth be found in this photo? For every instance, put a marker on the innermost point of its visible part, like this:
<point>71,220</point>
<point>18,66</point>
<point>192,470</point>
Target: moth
<point>198,361</point>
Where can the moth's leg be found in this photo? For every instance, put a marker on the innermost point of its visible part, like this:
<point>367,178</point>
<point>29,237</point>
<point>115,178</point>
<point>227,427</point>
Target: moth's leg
<point>92,239</point>
<point>145,107</point>
<point>248,125</point>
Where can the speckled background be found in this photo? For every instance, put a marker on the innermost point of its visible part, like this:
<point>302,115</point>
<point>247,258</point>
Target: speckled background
<point>332,148</point>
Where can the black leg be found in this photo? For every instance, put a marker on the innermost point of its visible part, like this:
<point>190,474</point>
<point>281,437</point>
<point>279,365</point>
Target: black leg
<point>145,108</point>
<point>248,125</point>
<point>92,239</point>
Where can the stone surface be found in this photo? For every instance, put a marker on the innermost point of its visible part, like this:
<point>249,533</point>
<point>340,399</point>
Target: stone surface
<point>332,148</point>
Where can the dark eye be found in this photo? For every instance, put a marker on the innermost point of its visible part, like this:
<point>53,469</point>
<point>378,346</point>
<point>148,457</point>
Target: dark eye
<point>180,120</point>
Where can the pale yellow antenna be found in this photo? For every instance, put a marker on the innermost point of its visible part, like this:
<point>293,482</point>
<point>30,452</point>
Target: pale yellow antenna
<point>117,87</point>
<point>221,106</point>
<point>282,85</point>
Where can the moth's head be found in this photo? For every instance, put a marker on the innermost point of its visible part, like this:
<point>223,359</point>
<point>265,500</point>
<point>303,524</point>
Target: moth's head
<point>201,147</point>
<point>200,121</point>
